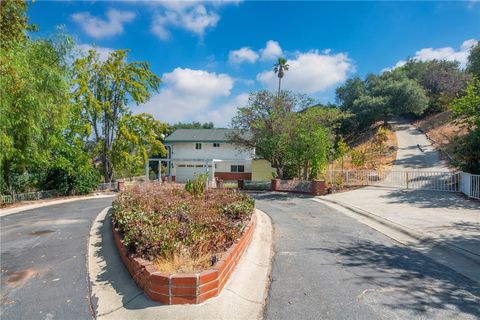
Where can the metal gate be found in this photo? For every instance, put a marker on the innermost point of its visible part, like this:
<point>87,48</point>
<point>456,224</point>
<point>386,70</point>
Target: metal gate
<point>417,180</point>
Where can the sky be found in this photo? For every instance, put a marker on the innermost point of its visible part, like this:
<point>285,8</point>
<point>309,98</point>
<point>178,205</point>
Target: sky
<point>211,55</point>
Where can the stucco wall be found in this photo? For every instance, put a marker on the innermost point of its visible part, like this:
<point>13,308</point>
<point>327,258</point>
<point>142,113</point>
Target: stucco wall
<point>227,151</point>
<point>261,170</point>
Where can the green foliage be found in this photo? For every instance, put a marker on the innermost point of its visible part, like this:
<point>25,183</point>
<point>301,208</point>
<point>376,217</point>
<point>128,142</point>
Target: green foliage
<point>138,136</point>
<point>161,221</point>
<point>193,125</point>
<point>467,150</point>
<point>34,96</point>
<point>473,66</point>
<point>358,157</point>
<point>103,91</point>
<point>442,81</point>
<point>468,105</point>
<point>198,186</point>
<point>296,143</point>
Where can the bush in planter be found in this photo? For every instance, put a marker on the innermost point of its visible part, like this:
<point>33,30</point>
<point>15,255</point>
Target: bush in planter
<point>163,221</point>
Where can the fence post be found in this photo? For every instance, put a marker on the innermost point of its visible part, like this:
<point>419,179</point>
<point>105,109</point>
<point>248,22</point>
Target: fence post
<point>407,179</point>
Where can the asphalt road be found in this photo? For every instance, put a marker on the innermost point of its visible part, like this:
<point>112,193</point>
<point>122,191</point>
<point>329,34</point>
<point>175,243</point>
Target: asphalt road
<point>43,261</point>
<point>329,266</point>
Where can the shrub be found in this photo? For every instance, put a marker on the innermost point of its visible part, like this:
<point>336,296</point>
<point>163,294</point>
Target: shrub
<point>198,186</point>
<point>165,221</point>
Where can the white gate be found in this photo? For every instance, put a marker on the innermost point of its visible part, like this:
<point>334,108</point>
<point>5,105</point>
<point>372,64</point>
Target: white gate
<point>470,185</point>
<point>418,180</point>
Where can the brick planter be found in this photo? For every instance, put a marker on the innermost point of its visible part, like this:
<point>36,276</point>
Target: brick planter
<point>184,288</point>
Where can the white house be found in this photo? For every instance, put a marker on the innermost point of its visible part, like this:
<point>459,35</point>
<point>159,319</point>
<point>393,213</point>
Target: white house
<point>194,151</point>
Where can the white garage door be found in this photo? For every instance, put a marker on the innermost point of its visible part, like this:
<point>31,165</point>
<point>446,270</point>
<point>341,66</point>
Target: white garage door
<point>188,173</point>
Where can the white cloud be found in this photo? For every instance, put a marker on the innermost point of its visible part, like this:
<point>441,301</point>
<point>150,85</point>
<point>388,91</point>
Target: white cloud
<point>311,72</point>
<point>192,95</point>
<point>271,51</point>
<point>99,28</point>
<point>244,54</point>
<point>102,51</point>
<point>445,53</point>
<point>193,16</point>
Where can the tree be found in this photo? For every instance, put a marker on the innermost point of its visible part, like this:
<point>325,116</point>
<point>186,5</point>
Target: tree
<point>442,81</point>
<point>310,143</point>
<point>34,95</point>
<point>267,124</point>
<point>279,68</point>
<point>390,94</point>
<point>341,150</point>
<point>284,130</point>
<point>138,136</point>
<point>473,65</point>
<point>193,125</point>
<point>104,89</point>
<point>347,94</point>
<point>467,150</point>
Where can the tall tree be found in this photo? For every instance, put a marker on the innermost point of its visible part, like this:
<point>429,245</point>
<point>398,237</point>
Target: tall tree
<point>104,90</point>
<point>394,94</point>
<point>279,68</point>
<point>34,94</point>
<point>138,136</point>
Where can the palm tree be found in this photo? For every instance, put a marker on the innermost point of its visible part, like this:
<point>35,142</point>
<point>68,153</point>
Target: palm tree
<point>279,69</point>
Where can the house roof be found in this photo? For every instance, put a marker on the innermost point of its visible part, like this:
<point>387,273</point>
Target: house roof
<point>199,135</point>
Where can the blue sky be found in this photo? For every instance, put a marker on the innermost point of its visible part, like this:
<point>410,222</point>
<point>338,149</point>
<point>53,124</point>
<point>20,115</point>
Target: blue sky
<point>210,55</point>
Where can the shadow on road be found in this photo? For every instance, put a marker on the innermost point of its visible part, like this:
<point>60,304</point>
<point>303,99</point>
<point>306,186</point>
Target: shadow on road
<point>425,285</point>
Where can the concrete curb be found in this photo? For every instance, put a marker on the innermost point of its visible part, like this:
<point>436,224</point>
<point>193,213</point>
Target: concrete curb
<point>411,237</point>
<point>114,294</point>
<point>6,212</point>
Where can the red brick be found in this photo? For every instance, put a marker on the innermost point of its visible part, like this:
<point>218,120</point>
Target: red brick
<point>162,298</point>
<point>183,291</point>
<point>158,288</point>
<point>183,280</point>
<point>207,276</point>
<point>207,295</point>
<point>184,300</point>
<point>159,278</point>
<point>208,287</point>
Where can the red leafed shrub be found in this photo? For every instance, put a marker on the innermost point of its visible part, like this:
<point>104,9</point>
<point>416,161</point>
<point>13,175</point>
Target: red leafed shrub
<point>161,221</point>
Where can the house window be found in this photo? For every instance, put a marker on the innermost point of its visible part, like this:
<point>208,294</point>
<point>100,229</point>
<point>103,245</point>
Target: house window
<point>216,145</point>
<point>198,146</point>
<point>235,168</point>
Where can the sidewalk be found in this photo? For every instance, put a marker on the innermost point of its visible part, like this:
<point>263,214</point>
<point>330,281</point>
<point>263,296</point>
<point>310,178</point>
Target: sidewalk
<point>435,222</point>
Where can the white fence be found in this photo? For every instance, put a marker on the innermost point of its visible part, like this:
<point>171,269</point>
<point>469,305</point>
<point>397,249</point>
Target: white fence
<point>467,183</point>
<point>470,185</point>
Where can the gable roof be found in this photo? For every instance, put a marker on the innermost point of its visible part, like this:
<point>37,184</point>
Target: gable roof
<point>199,135</point>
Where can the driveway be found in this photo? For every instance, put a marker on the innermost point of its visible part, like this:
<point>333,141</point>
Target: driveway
<point>329,266</point>
<point>43,261</point>
<point>415,151</point>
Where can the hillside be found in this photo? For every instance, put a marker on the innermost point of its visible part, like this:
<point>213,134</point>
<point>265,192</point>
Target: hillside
<point>371,149</point>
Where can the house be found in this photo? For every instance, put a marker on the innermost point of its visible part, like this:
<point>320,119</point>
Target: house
<point>195,151</point>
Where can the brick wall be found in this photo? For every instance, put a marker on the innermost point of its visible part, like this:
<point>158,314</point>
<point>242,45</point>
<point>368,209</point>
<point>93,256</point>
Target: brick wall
<point>234,175</point>
<point>184,288</point>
